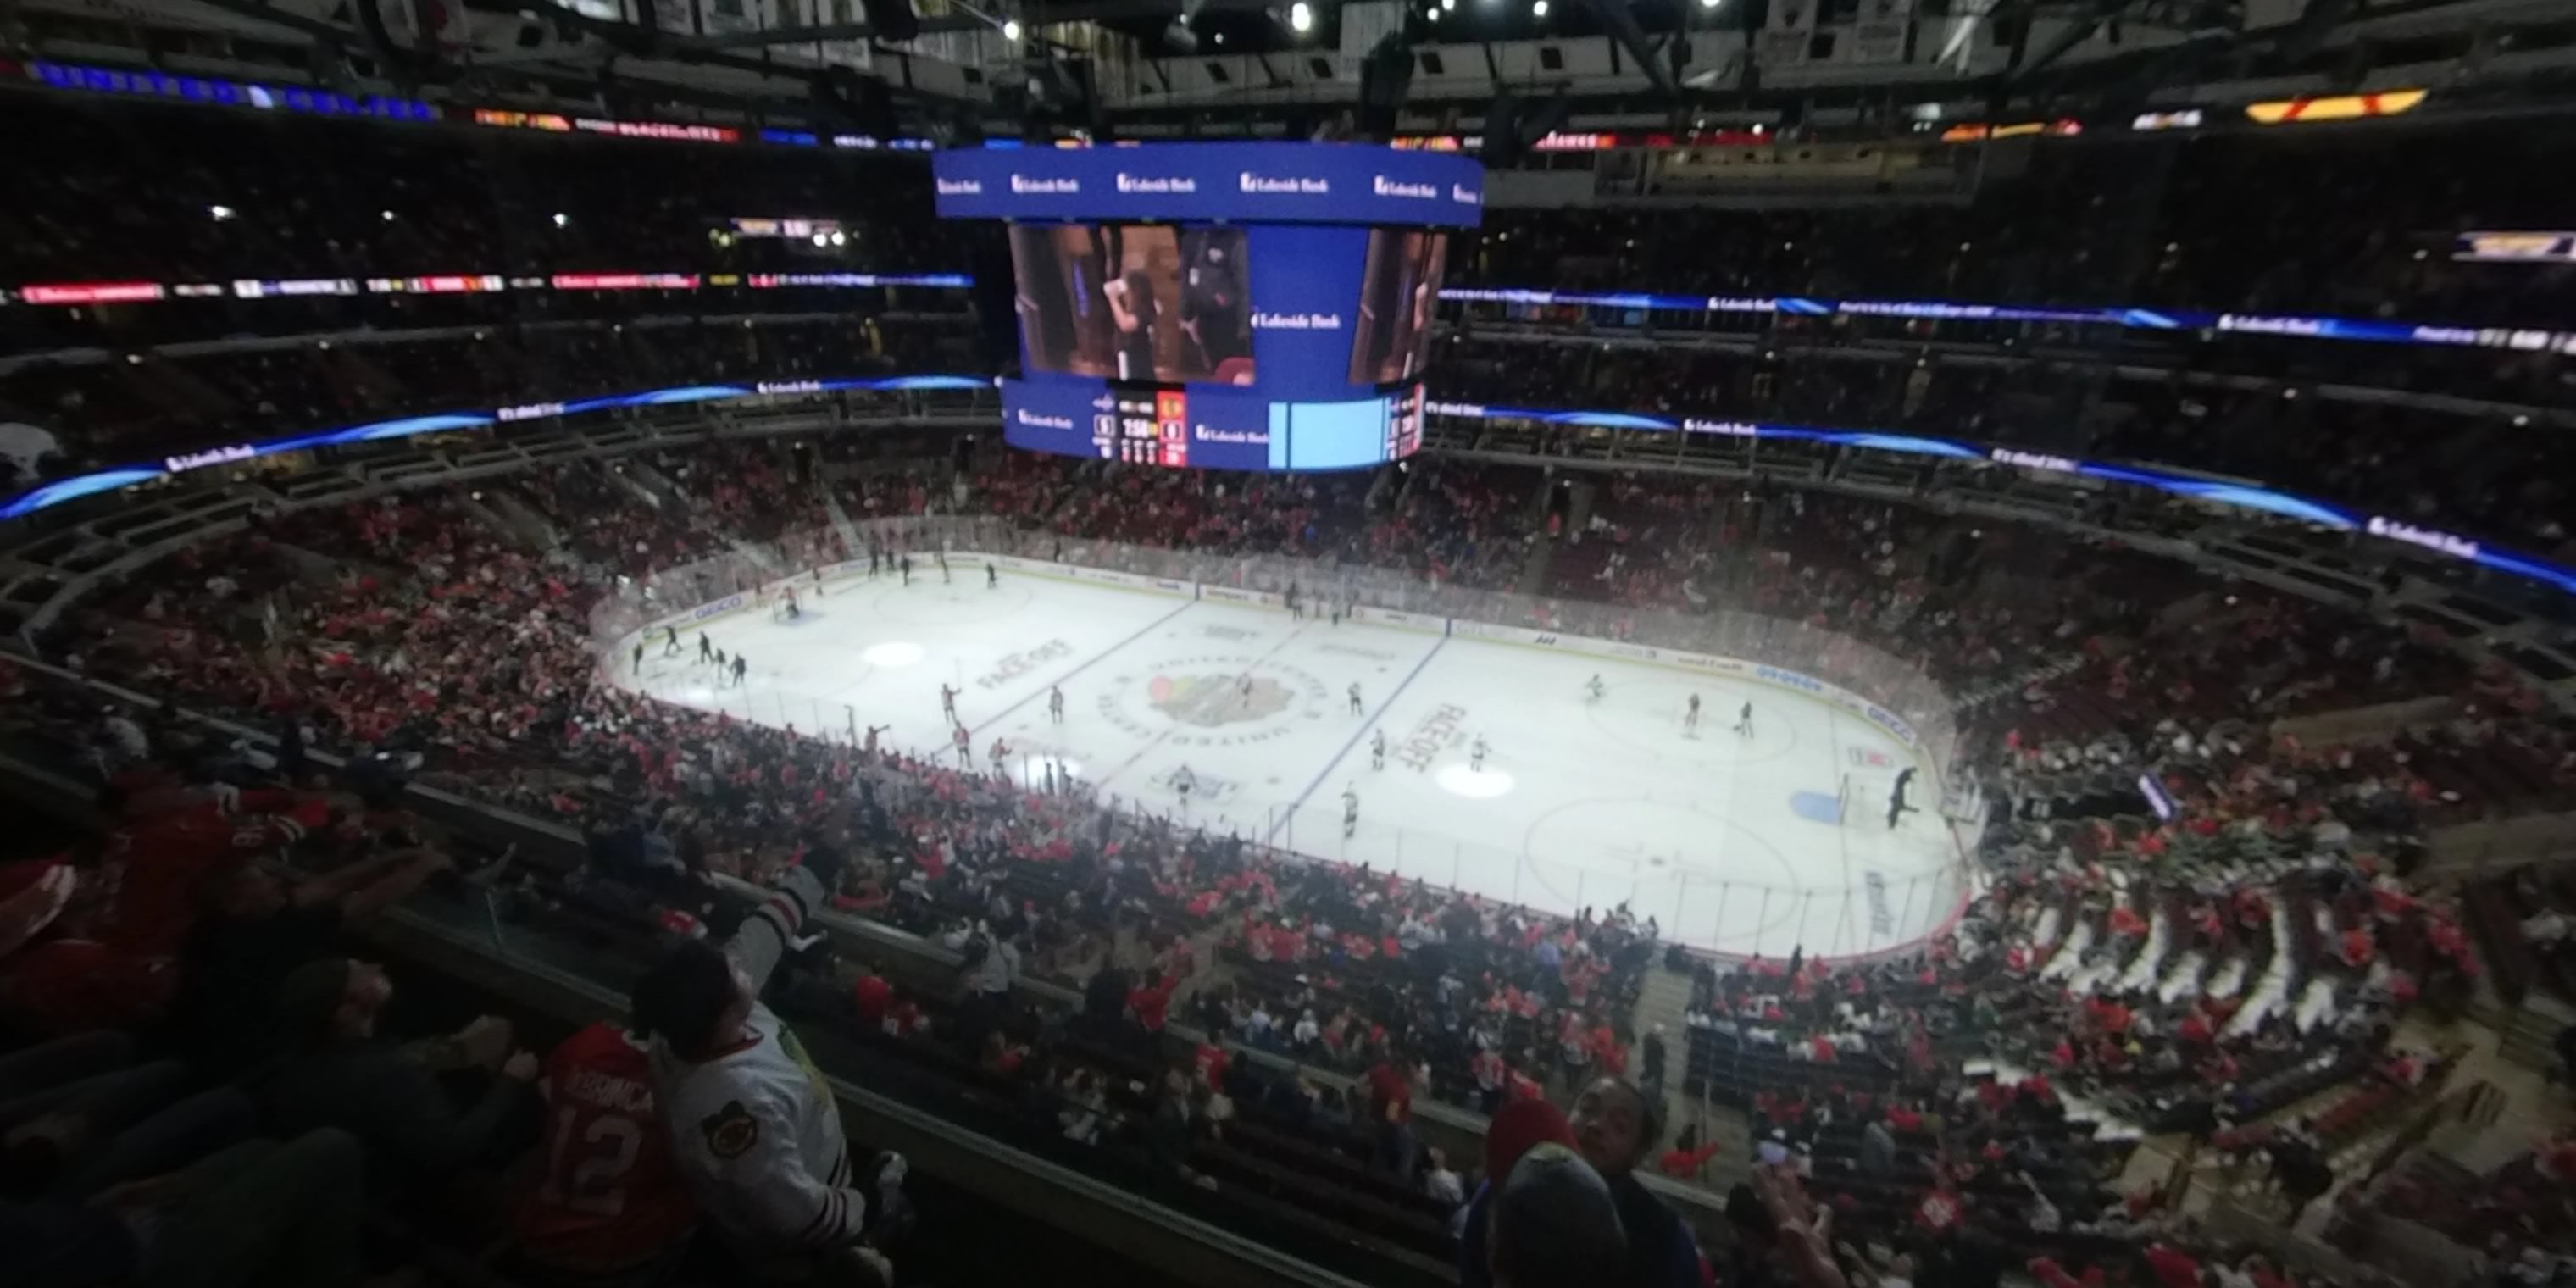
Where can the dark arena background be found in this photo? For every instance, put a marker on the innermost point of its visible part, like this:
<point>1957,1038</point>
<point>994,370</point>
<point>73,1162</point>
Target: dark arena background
<point>1410,643</point>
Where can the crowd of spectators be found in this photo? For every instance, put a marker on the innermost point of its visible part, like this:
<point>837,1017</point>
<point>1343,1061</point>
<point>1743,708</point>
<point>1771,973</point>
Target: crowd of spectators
<point>1930,1117</point>
<point>2170,973</point>
<point>231,195</point>
<point>2468,468</point>
<point>101,411</point>
<point>2358,224</point>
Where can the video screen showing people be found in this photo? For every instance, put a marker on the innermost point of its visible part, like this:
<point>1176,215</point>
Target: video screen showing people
<point>1397,297</point>
<point>1134,301</point>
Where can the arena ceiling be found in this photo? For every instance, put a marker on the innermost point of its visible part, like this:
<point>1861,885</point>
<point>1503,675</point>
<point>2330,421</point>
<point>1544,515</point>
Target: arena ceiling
<point>1292,63</point>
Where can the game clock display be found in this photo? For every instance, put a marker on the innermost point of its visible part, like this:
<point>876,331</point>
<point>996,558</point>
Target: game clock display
<point>1150,427</point>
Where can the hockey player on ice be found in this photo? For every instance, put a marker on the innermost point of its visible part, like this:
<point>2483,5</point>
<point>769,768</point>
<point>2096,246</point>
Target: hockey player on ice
<point>1377,749</point>
<point>1055,703</point>
<point>1690,718</point>
<point>992,575</point>
<point>1000,752</point>
<point>948,702</point>
<point>1744,721</point>
<point>1355,697</point>
<point>1182,781</point>
<point>965,748</point>
<point>1350,810</point>
<point>1476,755</point>
<point>1593,689</point>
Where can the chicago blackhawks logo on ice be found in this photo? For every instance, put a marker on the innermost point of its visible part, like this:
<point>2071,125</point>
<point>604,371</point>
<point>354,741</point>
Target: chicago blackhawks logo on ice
<point>1213,700</point>
<point>1209,701</point>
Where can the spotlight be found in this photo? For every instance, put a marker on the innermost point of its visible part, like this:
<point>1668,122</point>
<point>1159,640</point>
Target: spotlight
<point>1447,5</point>
<point>840,239</point>
<point>220,213</point>
<point>1538,8</point>
<point>1301,17</point>
<point>562,220</point>
<point>387,214</point>
<point>822,239</point>
<point>1710,4</point>
<point>1010,29</point>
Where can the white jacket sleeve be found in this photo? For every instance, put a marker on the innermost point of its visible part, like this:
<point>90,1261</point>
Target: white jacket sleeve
<point>752,1179</point>
<point>762,938</point>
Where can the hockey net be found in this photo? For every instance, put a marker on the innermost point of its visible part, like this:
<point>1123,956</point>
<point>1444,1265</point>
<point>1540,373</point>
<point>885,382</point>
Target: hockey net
<point>1863,799</point>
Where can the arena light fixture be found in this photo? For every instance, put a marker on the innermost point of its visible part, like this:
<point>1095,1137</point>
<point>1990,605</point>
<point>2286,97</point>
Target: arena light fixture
<point>1710,4</point>
<point>1538,8</point>
<point>562,220</point>
<point>1010,29</point>
<point>219,213</point>
<point>1301,17</point>
<point>2334,107</point>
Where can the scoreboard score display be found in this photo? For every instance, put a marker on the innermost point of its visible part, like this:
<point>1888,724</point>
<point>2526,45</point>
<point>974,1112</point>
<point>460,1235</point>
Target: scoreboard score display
<point>1241,306</point>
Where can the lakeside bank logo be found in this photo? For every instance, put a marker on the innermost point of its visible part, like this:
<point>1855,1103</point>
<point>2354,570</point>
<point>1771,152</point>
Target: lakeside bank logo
<point>2033,460</point>
<point>1296,321</point>
<point>1386,187</point>
<point>213,456</point>
<point>2458,547</point>
<point>1270,184</point>
<point>1465,196</point>
<point>1730,428</point>
<point>959,187</point>
<point>1025,186</point>
<point>1155,183</point>
<point>1039,420</point>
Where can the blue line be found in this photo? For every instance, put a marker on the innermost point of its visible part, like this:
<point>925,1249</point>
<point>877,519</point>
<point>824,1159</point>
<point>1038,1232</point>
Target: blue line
<point>1097,659</point>
<point>1365,726</point>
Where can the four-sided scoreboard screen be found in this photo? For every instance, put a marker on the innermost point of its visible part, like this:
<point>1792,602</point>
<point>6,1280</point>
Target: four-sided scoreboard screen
<point>1246,306</point>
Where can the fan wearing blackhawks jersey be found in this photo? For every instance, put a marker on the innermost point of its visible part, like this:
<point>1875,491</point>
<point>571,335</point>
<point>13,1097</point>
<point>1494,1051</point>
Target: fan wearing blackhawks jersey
<point>753,1126</point>
<point>608,1199</point>
<point>109,961</point>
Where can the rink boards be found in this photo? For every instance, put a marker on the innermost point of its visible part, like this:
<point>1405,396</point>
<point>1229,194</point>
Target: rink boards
<point>1723,840</point>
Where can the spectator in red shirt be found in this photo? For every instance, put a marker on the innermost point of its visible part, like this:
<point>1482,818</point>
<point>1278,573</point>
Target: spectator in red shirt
<point>1390,1092</point>
<point>2172,1267</point>
<point>873,995</point>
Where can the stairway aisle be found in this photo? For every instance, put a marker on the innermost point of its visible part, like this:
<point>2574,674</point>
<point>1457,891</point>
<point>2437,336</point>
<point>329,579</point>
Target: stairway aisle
<point>1665,1000</point>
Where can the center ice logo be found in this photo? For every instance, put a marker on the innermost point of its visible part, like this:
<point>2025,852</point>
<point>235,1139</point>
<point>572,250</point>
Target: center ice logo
<point>1209,701</point>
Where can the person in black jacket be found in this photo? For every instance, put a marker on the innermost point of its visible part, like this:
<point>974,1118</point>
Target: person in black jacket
<point>337,1073</point>
<point>1615,1127</point>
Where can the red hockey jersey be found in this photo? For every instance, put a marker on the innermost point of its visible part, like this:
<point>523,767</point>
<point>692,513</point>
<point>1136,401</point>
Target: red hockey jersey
<point>607,1197</point>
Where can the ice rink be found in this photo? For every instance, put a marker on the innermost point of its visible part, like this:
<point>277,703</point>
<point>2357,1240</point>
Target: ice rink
<point>1729,840</point>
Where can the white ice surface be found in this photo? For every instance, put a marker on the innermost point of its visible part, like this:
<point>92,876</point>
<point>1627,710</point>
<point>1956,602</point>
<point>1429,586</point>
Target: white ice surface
<point>1578,804</point>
